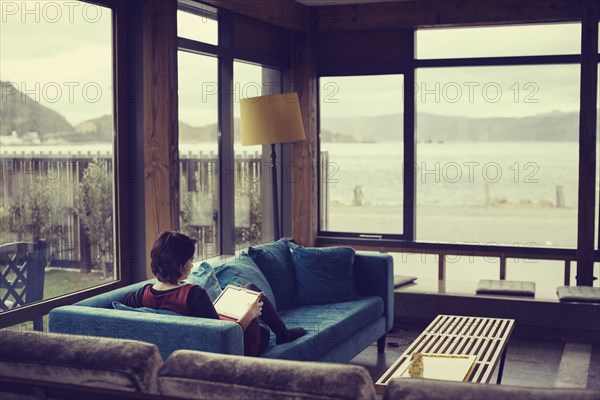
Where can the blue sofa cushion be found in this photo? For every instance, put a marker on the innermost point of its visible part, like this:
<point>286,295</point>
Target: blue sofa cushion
<point>120,306</point>
<point>242,270</point>
<point>275,262</point>
<point>204,275</point>
<point>323,275</point>
<point>326,325</point>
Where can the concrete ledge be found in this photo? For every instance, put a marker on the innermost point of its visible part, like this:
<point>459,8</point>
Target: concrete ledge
<point>541,318</point>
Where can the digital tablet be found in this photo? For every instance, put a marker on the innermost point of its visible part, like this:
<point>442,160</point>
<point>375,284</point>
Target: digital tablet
<point>233,301</point>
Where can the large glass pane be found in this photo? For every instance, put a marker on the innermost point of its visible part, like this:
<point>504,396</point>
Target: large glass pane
<point>496,41</point>
<point>198,151</point>
<point>361,139</point>
<point>56,149</point>
<point>252,225</point>
<point>497,155</point>
<point>198,23</point>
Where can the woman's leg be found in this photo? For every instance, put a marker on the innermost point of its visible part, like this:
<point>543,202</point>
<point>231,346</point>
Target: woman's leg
<point>270,317</point>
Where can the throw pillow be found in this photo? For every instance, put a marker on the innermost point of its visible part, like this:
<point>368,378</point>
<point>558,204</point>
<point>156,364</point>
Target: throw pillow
<point>323,275</point>
<point>204,275</point>
<point>275,262</point>
<point>120,306</point>
<point>242,270</point>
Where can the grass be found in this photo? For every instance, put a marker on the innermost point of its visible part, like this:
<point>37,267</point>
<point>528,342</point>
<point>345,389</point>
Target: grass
<point>60,282</point>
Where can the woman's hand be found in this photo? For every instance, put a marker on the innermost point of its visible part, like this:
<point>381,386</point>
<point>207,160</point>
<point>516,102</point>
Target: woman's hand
<point>253,311</point>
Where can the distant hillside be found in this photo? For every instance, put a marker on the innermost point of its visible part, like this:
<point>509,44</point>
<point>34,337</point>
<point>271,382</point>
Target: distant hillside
<point>334,137</point>
<point>554,126</point>
<point>99,129</point>
<point>197,134</point>
<point>20,113</point>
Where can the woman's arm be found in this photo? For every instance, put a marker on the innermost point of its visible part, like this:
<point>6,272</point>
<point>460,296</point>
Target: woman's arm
<point>200,304</point>
<point>134,299</point>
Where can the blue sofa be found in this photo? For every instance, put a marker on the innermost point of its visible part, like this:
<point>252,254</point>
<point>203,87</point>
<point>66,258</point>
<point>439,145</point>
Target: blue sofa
<point>336,332</point>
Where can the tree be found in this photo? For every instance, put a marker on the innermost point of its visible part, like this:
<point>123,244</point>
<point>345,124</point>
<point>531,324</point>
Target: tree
<point>38,212</point>
<point>96,210</point>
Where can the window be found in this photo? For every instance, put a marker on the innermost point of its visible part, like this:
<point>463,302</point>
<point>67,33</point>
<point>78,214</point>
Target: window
<point>56,148</point>
<point>361,140</point>
<point>203,73</point>
<point>198,23</point>
<point>198,151</point>
<point>497,151</point>
<point>496,41</point>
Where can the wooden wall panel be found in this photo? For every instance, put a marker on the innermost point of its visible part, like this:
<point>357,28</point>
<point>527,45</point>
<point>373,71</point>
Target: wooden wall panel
<point>161,158</point>
<point>304,154</point>
<point>365,52</point>
<point>428,13</point>
<point>259,39</point>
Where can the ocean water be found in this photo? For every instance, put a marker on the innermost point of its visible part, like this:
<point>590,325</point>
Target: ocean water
<point>454,173</point>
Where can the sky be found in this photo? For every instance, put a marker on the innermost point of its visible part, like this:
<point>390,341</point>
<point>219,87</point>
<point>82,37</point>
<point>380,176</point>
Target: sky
<point>62,57</point>
<point>60,54</point>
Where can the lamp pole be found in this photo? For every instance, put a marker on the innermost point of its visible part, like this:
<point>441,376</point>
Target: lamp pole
<point>275,193</point>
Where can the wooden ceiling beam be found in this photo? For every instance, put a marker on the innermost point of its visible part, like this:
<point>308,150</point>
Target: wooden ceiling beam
<point>432,13</point>
<point>287,14</point>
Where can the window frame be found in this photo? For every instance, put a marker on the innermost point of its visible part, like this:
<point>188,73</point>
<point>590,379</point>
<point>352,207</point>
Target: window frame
<point>406,241</point>
<point>227,54</point>
<point>123,243</point>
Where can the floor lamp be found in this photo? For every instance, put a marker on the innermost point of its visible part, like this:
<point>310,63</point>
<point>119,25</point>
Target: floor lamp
<point>271,119</point>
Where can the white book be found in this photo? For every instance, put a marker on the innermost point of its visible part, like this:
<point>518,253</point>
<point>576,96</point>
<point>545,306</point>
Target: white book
<point>233,301</point>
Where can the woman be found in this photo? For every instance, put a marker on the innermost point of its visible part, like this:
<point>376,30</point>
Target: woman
<point>171,263</point>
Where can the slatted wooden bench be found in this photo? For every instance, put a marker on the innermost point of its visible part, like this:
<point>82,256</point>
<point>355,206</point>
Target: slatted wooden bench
<point>486,338</point>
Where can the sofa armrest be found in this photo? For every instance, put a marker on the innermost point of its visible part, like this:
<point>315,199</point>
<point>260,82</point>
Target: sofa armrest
<point>168,332</point>
<point>374,276</point>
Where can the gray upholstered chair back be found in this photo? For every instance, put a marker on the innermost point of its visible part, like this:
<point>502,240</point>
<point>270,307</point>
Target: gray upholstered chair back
<point>423,389</point>
<point>195,374</point>
<point>117,364</point>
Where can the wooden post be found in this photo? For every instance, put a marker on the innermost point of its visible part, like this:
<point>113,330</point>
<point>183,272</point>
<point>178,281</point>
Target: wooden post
<point>304,153</point>
<point>502,267</point>
<point>324,191</point>
<point>161,156</point>
<point>487,194</point>
<point>587,144</point>
<point>560,196</point>
<point>567,279</point>
<point>441,266</point>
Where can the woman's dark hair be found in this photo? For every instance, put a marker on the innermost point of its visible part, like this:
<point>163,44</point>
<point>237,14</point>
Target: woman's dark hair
<point>169,254</point>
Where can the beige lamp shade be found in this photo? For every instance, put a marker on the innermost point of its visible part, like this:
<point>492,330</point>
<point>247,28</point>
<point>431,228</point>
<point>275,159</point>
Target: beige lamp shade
<point>271,119</point>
